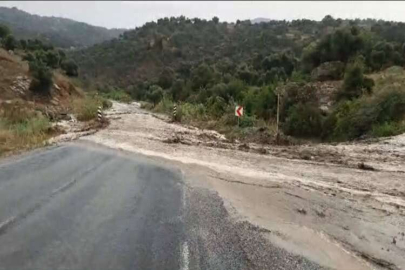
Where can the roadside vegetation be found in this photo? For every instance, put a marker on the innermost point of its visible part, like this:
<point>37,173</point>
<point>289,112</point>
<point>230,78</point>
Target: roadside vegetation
<point>36,91</point>
<point>22,127</point>
<point>85,108</point>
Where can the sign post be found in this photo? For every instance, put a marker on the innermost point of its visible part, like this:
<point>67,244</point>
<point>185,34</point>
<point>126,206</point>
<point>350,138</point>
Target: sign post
<point>99,114</point>
<point>238,112</point>
<point>174,112</point>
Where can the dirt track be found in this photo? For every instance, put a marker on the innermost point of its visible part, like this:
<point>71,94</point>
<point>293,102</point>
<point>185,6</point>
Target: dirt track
<point>311,200</point>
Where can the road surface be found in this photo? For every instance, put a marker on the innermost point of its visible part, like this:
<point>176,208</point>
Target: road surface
<point>83,206</point>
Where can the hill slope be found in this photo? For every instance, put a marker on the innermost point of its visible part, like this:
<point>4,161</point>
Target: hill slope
<point>179,44</point>
<point>60,32</point>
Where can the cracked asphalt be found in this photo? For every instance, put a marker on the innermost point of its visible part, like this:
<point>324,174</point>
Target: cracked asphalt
<point>82,206</point>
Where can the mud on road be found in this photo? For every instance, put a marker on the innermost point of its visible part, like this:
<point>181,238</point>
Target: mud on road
<point>312,200</point>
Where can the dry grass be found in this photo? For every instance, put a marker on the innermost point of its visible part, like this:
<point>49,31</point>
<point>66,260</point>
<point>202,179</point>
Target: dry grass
<point>85,109</point>
<point>18,134</point>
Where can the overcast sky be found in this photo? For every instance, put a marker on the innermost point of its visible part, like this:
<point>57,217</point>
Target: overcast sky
<point>123,14</point>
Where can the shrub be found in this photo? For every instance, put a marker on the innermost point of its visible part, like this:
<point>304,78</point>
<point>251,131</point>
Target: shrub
<point>42,81</point>
<point>19,133</point>
<point>85,108</point>
<point>155,94</point>
<point>105,103</point>
<point>387,129</point>
<point>4,30</point>
<point>118,95</point>
<point>70,68</point>
<point>9,43</point>
<point>354,84</point>
<point>216,106</point>
<point>193,112</point>
<point>303,120</point>
<point>165,106</point>
<point>356,118</point>
<point>293,94</point>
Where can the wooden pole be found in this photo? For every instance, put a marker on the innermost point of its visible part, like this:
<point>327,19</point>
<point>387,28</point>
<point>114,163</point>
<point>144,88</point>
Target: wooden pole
<point>278,111</point>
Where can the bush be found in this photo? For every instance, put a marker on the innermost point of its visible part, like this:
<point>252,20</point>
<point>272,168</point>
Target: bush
<point>155,94</point>
<point>42,81</point>
<point>354,84</point>
<point>70,68</point>
<point>118,95</point>
<point>105,103</point>
<point>387,129</point>
<point>9,43</point>
<point>85,108</point>
<point>22,128</point>
<point>4,30</point>
<point>191,112</point>
<point>353,119</point>
<point>165,105</point>
<point>303,120</point>
<point>293,94</point>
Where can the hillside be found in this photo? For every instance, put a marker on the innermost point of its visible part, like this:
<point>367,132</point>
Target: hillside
<point>181,44</point>
<point>211,65</point>
<point>60,32</point>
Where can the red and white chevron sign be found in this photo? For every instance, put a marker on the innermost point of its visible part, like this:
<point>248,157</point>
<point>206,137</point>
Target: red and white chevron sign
<point>239,111</point>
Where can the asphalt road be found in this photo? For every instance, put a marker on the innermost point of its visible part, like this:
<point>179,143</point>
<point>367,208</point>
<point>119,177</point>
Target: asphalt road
<point>81,206</point>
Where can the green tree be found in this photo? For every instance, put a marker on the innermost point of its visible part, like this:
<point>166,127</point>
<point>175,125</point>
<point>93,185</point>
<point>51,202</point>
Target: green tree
<point>42,82</point>
<point>23,44</point>
<point>52,59</point>
<point>155,94</point>
<point>355,84</point>
<point>71,68</point>
<point>9,43</point>
<point>202,76</point>
<point>4,31</point>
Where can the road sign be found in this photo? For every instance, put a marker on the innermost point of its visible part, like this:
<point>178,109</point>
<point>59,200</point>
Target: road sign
<point>239,111</point>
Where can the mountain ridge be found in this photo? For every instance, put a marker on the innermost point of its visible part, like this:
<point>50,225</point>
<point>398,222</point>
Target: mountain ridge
<point>59,31</point>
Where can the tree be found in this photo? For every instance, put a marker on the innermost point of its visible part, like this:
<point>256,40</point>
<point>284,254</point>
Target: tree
<point>71,68</point>
<point>23,44</point>
<point>42,82</point>
<point>202,76</point>
<point>155,94</point>
<point>9,43</point>
<point>52,59</point>
<point>166,78</point>
<point>215,20</point>
<point>354,83</point>
<point>4,31</point>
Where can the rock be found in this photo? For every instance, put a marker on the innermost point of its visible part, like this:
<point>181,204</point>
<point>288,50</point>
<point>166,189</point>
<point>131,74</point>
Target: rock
<point>366,167</point>
<point>320,213</point>
<point>244,147</point>
<point>302,211</point>
<point>328,71</point>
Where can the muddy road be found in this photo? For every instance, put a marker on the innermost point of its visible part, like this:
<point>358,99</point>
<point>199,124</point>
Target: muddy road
<point>311,200</point>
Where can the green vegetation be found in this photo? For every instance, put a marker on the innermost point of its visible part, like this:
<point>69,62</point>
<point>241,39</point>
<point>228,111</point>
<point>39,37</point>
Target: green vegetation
<point>60,32</point>
<point>118,95</point>
<point>209,66</point>
<point>85,109</point>
<point>42,59</point>
<point>42,80</point>
<point>22,128</point>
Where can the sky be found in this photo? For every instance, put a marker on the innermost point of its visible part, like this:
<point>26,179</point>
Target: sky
<point>125,14</point>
